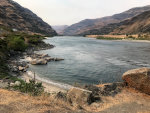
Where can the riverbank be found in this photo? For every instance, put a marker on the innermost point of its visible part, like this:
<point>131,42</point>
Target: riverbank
<point>133,38</point>
<point>24,74</point>
<point>49,86</point>
<point>13,65</point>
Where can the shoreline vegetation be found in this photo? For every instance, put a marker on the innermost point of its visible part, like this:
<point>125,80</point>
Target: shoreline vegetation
<point>133,37</point>
<point>13,46</point>
<point>49,88</point>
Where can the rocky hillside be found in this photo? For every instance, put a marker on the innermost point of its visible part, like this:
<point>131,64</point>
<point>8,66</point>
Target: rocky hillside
<point>91,26</point>
<point>135,25</point>
<point>19,18</point>
<point>60,28</point>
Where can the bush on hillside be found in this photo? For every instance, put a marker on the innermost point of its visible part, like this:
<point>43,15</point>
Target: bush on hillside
<point>131,37</point>
<point>34,39</point>
<point>16,44</point>
<point>3,46</point>
<point>34,88</point>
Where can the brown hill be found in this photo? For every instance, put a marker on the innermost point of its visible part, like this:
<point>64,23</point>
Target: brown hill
<point>17,17</point>
<point>135,25</point>
<point>92,26</point>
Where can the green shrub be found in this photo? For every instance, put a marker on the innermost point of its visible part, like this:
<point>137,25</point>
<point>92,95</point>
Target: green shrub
<point>32,88</point>
<point>3,46</point>
<point>130,36</point>
<point>108,38</point>
<point>3,70</point>
<point>34,40</point>
<point>16,44</point>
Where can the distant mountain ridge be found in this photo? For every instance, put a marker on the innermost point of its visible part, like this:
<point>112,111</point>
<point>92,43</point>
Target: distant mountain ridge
<point>59,28</point>
<point>17,17</point>
<point>90,26</point>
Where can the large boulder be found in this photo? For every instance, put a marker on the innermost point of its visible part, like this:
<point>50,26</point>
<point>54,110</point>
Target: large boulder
<point>138,79</point>
<point>78,97</point>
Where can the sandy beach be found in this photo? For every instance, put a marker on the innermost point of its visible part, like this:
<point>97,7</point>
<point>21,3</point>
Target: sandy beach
<point>127,40</point>
<point>48,87</point>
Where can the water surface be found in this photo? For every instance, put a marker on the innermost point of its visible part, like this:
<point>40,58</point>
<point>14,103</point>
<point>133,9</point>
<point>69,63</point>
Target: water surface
<point>91,61</point>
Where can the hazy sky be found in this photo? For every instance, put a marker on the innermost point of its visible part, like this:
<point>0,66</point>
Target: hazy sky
<point>66,12</point>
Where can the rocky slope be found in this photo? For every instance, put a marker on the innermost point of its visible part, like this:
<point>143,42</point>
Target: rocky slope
<point>19,18</point>
<point>135,25</point>
<point>91,26</point>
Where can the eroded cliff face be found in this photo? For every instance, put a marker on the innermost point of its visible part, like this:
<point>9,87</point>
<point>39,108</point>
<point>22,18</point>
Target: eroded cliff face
<point>17,17</point>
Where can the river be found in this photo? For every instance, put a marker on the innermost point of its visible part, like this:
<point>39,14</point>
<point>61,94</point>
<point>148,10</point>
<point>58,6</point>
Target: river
<point>92,61</point>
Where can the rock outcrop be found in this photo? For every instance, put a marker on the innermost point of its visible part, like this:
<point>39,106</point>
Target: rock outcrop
<point>138,79</point>
<point>38,62</point>
<point>78,97</point>
<point>41,59</point>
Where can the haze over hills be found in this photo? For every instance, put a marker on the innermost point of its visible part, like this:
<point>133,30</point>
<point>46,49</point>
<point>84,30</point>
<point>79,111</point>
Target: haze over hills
<point>17,17</point>
<point>91,26</point>
<point>59,28</point>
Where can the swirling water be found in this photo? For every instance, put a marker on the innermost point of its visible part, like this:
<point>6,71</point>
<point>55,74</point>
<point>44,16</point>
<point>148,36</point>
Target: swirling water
<point>92,61</point>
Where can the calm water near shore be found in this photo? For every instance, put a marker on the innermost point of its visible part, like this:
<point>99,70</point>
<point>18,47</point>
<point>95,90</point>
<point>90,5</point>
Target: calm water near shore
<point>91,61</point>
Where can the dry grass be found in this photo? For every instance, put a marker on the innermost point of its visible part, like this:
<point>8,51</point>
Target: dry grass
<point>128,101</point>
<point>15,102</point>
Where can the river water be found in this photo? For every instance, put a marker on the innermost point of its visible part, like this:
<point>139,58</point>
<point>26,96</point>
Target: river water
<point>92,61</point>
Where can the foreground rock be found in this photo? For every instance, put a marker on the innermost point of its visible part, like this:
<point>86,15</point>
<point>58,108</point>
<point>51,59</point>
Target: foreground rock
<point>78,97</point>
<point>138,79</point>
<point>109,89</point>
